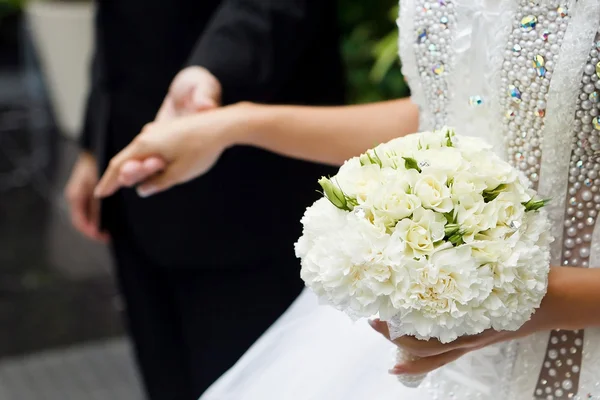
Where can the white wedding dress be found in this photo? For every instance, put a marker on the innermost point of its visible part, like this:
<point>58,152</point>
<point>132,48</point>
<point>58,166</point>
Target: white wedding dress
<point>524,75</point>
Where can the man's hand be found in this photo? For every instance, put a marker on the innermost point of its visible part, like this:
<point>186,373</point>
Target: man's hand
<point>85,209</point>
<point>193,90</point>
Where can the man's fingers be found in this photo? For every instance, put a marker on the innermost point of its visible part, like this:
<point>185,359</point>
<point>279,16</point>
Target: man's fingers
<point>94,218</point>
<point>85,216</point>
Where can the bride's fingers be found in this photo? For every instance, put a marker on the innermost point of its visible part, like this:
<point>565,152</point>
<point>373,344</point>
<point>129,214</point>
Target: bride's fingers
<point>135,171</point>
<point>109,183</point>
<point>131,173</point>
<point>424,348</point>
<point>427,364</point>
<point>161,182</point>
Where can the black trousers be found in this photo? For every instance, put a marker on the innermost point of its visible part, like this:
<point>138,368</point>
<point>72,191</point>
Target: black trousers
<point>190,325</point>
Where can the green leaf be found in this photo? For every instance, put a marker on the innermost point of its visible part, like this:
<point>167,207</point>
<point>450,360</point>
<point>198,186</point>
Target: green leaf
<point>449,135</point>
<point>411,163</point>
<point>490,195</point>
<point>535,205</point>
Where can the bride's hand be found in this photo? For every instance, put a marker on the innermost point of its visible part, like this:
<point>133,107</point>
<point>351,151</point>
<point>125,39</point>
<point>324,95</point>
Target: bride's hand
<point>555,312</point>
<point>189,146</point>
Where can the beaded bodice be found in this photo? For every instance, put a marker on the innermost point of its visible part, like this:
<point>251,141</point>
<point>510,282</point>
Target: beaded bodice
<point>524,75</point>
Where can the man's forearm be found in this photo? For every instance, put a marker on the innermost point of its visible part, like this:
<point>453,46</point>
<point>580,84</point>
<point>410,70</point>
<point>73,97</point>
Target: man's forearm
<point>327,134</point>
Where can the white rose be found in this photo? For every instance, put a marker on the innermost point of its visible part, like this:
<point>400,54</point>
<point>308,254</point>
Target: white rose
<point>358,183</point>
<point>509,209</point>
<point>404,144</point>
<point>432,191</point>
<point>447,159</point>
<point>494,171</point>
<point>431,140</point>
<point>472,146</point>
<point>391,202</point>
<point>466,183</point>
<point>473,215</point>
<point>421,233</point>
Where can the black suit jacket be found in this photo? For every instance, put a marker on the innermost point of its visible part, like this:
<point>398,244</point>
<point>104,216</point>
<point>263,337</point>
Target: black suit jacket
<point>248,207</point>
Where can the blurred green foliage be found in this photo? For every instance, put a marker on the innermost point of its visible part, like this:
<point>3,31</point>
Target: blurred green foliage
<point>8,7</point>
<point>370,50</point>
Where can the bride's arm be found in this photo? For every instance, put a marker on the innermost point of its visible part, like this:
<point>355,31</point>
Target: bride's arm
<point>191,145</point>
<point>573,298</point>
<point>328,134</point>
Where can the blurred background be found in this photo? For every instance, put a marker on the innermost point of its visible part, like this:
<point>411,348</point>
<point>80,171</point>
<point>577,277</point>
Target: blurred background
<point>60,330</point>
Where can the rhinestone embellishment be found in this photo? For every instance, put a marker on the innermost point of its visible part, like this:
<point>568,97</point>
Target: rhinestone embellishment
<point>434,21</point>
<point>529,22</point>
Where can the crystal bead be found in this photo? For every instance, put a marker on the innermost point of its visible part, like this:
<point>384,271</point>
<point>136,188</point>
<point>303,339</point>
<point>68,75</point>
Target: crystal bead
<point>475,100</point>
<point>595,97</point>
<point>539,63</point>
<point>567,384</point>
<point>598,69</point>
<point>515,94</point>
<point>517,49</point>
<point>421,35</point>
<point>438,69</point>
<point>529,22</point>
<point>562,11</point>
<point>545,34</point>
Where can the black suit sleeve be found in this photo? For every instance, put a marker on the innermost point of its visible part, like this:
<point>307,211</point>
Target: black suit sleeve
<point>251,46</point>
<point>95,115</point>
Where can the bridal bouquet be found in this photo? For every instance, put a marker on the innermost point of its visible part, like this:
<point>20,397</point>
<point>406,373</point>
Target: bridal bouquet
<point>431,232</point>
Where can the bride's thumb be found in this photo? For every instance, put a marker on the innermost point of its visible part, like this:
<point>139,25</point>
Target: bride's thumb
<point>159,183</point>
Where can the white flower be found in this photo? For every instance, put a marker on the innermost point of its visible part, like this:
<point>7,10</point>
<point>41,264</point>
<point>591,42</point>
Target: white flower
<point>431,189</point>
<point>494,171</point>
<point>420,234</point>
<point>508,208</point>
<point>392,202</point>
<point>445,159</point>
<point>472,147</point>
<point>473,215</point>
<point>440,294</point>
<point>467,183</point>
<point>347,267</point>
<point>319,219</point>
<point>359,182</point>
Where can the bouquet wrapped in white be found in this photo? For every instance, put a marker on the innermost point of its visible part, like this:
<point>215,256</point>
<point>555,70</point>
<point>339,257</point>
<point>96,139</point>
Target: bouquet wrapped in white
<point>433,233</point>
